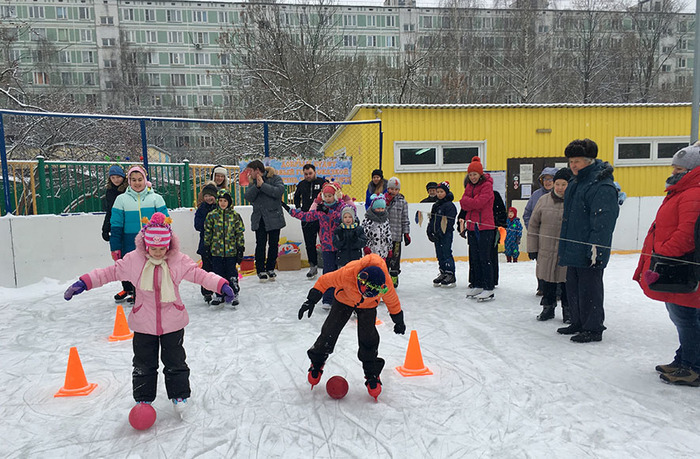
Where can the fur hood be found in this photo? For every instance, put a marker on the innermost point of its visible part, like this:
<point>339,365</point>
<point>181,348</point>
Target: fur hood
<point>270,172</point>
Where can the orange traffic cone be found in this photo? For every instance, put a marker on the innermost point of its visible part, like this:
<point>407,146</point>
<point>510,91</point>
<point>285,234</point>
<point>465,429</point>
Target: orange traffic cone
<point>121,327</point>
<point>76,383</point>
<point>413,364</point>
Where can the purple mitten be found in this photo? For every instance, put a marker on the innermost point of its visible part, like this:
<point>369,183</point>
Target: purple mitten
<point>650,276</point>
<point>76,289</point>
<point>227,292</point>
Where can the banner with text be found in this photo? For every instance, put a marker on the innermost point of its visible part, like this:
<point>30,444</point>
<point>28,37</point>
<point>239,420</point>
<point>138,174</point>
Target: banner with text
<point>292,172</point>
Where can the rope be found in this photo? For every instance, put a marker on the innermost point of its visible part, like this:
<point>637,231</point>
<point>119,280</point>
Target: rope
<point>594,247</point>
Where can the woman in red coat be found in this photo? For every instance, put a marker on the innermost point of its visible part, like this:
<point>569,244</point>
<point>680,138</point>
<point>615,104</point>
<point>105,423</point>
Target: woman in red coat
<point>477,202</point>
<point>672,235</point>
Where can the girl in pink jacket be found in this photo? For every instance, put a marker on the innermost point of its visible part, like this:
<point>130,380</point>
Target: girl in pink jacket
<point>156,267</point>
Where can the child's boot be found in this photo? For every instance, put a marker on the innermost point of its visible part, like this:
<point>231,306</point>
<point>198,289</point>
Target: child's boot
<point>180,405</point>
<point>374,385</point>
<point>236,288</point>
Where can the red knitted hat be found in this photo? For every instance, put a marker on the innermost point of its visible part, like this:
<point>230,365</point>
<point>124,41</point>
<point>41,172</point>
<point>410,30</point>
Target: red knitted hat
<point>475,166</point>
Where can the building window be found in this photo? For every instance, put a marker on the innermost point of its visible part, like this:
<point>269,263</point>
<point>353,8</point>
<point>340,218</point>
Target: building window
<point>150,15</point>
<point>371,41</point>
<point>41,78</point>
<point>88,57</point>
<point>681,62</point>
<point>61,12</point>
<point>350,41</point>
<point>205,100</point>
<point>391,21</point>
<point>154,79</point>
<point>66,78</point>
<point>64,57</point>
<point>200,37</point>
<point>199,16</point>
<point>177,58</point>
<point>128,14</point>
<point>107,20</point>
<point>110,63</point>
<point>350,20</point>
<point>177,79</point>
<point>173,15</point>
<point>85,35</point>
<point>223,17</point>
<point>180,100</point>
<point>204,79</point>
<point>84,13</point>
<point>152,58</point>
<point>176,37</point>
<point>7,12</point>
<point>151,36</point>
<point>202,59</point>
<point>89,79</point>
<point>436,156</point>
<point>647,151</point>
<point>63,35</point>
<point>129,36</point>
<point>665,68</point>
<point>38,34</point>
<point>108,42</point>
<point>36,12</point>
<point>156,100</point>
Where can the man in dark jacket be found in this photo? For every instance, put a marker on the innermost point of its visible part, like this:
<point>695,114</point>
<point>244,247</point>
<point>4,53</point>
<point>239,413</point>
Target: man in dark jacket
<point>304,196</point>
<point>590,213</point>
<point>265,194</point>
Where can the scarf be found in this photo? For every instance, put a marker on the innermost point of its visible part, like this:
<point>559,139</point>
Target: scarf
<point>375,217</point>
<point>675,178</point>
<point>350,226</point>
<point>167,288</point>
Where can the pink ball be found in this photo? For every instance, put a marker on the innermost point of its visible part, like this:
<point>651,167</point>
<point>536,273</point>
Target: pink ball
<point>337,387</point>
<point>142,416</point>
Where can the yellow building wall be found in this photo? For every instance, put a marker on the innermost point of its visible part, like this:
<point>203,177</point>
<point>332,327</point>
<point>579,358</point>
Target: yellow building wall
<point>510,132</point>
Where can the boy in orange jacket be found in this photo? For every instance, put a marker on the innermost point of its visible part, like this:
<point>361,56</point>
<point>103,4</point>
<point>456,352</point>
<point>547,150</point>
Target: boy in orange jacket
<point>359,286</point>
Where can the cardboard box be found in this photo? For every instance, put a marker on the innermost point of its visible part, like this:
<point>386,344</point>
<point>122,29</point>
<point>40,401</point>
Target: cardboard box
<point>289,262</point>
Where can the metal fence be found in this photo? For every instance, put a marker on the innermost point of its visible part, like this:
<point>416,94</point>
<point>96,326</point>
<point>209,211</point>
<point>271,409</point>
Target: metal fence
<point>40,186</point>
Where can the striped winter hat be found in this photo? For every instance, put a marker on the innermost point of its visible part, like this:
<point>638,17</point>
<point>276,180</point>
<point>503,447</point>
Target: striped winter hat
<point>157,232</point>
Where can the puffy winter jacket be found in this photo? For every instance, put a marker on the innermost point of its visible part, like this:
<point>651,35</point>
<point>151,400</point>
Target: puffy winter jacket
<point>328,222</point>
<point>477,202</point>
<point>397,209</point>
<point>107,203</point>
<point>543,237</point>
<point>442,208</point>
<point>224,232</point>
<point>150,315</point>
<point>347,291</point>
<point>537,194</point>
<point>267,201</point>
<point>672,234</point>
<point>199,218</point>
<point>590,213</point>
<point>349,242</point>
<point>128,210</point>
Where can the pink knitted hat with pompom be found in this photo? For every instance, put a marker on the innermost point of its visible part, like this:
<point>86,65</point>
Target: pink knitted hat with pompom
<point>157,232</point>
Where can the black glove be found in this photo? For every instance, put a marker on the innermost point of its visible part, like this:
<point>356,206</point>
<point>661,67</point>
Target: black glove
<point>312,298</point>
<point>532,255</point>
<point>407,239</point>
<point>431,237</point>
<point>399,325</point>
<point>285,206</point>
<point>105,236</point>
<point>239,255</point>
<point>322,208</point>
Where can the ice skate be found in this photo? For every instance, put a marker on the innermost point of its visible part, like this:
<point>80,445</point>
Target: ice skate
<point>449,280</point>
<point>374,386</point>
<point>438,280</point>
<point>486,295</point>
<point>121,296</point>
<point>272,276</point>
<point>326,306</point>
<point>313,272</point>
<point>263,277</point>
<point>207,298</point>
<point>315,372</point>
<point>474,291</point>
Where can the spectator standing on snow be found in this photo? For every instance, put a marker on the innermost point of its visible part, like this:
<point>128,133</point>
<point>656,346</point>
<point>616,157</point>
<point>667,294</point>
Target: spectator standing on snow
<point>543,246</point>
<point>441,233</point>
<point>397,209</point>
<point>116,185</point>
<point>208,204</point>
<point>307,190</point>
<point>349,237</point>
<point>590,213</point>
<point>376,186</point>
<point>664,272</point>
<point>431,187</point>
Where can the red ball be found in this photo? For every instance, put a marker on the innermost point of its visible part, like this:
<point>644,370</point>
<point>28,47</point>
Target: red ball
<point>142,416</point>
<point>337,387</point>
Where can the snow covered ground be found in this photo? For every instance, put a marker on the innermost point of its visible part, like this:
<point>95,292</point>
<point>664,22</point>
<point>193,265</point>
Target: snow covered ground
<point>504,385</point>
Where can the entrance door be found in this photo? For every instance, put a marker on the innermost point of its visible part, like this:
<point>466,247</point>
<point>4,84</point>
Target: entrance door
<point>523,173</point>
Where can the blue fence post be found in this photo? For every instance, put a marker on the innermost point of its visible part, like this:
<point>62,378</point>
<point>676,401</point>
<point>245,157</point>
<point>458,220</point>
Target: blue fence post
<point>5,169</point>
<point>266,135</point>
<point>144,145</point>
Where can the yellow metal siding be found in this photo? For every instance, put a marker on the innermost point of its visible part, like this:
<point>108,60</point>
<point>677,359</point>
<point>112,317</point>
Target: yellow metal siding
<point>510,132</point>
